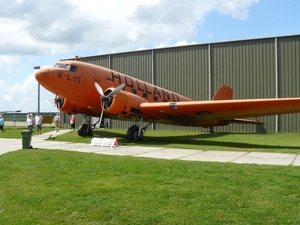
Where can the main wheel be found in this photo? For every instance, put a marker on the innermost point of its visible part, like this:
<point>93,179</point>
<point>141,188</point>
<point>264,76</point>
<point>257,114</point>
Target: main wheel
<point>133,134</point>
<point>85,130</point>
<point>80,130</point>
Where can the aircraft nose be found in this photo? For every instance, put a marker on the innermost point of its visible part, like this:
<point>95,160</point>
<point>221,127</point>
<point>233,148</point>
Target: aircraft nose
<point>41,74</point>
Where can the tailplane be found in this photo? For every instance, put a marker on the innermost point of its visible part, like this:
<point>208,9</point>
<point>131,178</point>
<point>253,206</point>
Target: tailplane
<point>244,121</point>
<point>223,93</point>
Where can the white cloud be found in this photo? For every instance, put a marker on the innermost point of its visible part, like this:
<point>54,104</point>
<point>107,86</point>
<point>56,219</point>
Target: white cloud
<point>108,10</point>
<point>210,35</point>
<point>2,83</point>
<point>6,98</point>
<point>235,8</point>
<point>33,29</point>
<point>23,95</point>
<point>181,43</point>
<point>6,63</point>
<point>115,25</point>
<point>20,93</point>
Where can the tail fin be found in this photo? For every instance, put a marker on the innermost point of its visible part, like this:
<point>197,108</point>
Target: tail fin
<point>223,93</point>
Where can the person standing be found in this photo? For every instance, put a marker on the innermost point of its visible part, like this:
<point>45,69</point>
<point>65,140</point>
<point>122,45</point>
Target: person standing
<point>38,123</point>
<point>1,123</point>
<point>72,122</point>
<point>29,122</point>
<point>57,122</point>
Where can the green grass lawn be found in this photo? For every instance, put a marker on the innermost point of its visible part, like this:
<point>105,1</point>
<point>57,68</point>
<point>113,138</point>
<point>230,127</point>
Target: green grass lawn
<point>61,187</point>
<point>254,142</point>
<point>15,132</point>
<point>267,142</point>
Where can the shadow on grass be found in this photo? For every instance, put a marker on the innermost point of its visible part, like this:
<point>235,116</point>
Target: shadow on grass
<point>202,140</point>
<point>237,145</point>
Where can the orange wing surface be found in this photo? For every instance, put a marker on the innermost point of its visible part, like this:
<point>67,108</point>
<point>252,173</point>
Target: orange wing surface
<point>209,113</point>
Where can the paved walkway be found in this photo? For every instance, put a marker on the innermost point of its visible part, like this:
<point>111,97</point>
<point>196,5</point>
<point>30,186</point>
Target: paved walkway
<point>8,145</point>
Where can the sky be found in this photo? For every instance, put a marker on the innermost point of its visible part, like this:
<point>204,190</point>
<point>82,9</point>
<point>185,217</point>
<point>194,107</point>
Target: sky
<point>40,33</point>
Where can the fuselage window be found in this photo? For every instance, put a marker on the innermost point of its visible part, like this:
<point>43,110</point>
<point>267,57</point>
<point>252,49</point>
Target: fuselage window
<point>67,67</point>
<point>73,69</point>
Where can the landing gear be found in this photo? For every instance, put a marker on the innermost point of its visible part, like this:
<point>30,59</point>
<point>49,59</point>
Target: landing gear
<point>133,133</point>
<point>85,130</point>
<point>211,130</point>
<point>136,132</point>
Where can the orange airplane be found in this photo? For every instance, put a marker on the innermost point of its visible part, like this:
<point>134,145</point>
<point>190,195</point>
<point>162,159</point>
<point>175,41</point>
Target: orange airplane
<point>101,92</point>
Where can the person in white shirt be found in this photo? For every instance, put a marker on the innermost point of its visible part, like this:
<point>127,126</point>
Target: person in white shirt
<point>57,122</point>
<point>72,122</point>
<point>38,123</point>
<point>29,122</point>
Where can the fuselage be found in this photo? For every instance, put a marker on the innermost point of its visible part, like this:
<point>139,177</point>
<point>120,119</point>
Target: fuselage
<point>74,80</point>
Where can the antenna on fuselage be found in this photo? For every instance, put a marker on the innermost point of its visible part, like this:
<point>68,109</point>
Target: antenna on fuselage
<point>77,57</point>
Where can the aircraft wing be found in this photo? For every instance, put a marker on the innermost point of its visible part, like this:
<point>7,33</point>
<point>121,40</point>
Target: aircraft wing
<point>198,113</point>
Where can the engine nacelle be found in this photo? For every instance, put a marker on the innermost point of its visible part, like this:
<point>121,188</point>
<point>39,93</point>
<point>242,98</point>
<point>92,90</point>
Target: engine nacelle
<point>70,107</point>
<point>124,104</point>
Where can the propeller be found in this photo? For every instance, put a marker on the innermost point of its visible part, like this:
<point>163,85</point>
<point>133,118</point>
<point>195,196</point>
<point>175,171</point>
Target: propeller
<point>116,90</point>
<point>57,101</point>
<point>111,94</point>
<point>53,101</point>
<point>99,89</point>
<point>107,98</point>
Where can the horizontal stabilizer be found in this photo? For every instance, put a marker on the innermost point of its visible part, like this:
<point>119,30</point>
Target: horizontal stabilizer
<point>243,121</point>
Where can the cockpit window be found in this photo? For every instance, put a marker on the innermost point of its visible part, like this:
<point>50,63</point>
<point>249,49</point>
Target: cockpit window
<point>73,69</point>
<point>66,66</point>
<point>59,65</point>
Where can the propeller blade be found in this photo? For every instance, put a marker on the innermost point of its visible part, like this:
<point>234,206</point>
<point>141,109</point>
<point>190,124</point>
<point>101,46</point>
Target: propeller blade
<point>99,89</point>
<point>116,90</point>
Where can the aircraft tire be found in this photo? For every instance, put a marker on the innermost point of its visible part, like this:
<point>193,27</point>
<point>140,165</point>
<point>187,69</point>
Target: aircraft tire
<point>88,131</point>
<point>132,134</point>
<point>80,130</point>
<point>84,130</point>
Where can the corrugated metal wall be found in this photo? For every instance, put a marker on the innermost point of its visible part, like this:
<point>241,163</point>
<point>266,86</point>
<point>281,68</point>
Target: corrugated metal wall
<point>289,79</point>
<point>248,68</point>
<point>183,70</point>
<point>101,60</point>
<point>257,68</point>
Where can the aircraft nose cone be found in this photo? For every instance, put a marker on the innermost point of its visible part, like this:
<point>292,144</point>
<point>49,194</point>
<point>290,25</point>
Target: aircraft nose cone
<point>41,74</point>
